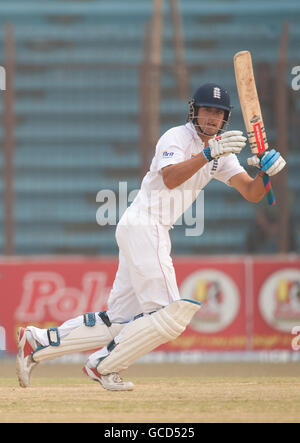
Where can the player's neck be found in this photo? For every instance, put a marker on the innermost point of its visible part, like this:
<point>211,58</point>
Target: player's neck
<point>205,138</point>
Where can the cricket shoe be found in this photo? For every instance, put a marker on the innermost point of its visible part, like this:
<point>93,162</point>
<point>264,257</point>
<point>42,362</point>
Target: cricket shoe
<point>25,364</point>
<point>112,382</point>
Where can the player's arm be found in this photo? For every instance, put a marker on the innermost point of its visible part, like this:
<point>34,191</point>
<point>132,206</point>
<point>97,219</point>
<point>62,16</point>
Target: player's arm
<point>175,175</point>
<point>252,189</point>
<point>230,142</point>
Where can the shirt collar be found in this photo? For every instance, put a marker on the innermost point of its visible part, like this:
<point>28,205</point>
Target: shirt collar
<point>191,128</point>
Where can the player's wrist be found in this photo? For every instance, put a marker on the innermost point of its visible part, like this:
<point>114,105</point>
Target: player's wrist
<point>207,154</point>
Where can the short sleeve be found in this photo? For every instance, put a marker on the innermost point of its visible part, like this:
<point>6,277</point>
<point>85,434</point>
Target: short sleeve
<point>170,156</point>
<point>169,150</point>
<point>229,166</point>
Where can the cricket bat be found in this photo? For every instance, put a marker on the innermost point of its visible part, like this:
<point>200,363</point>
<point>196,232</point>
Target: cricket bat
<point>252,115</point>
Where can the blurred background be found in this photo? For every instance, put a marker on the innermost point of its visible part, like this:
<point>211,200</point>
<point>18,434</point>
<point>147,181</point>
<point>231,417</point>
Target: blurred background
<point>92,84</point>
<point>90,87</point>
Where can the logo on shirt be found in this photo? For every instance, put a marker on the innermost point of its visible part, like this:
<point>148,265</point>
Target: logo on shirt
<point>167,154</point>
<point>193,154</point>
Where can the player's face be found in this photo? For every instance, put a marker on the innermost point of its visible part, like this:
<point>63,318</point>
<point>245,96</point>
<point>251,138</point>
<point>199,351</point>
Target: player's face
<point>210,119</point>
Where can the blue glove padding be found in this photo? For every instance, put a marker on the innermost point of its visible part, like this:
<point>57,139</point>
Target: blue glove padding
<point>269,159</point>
<point>207,154</point>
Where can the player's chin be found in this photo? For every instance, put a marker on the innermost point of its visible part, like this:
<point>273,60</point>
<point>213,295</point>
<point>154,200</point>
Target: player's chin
<point>211,130</point>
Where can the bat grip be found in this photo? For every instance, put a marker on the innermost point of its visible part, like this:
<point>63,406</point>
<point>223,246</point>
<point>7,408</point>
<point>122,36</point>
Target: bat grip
<point>268,189</point>
<point>267,184</point>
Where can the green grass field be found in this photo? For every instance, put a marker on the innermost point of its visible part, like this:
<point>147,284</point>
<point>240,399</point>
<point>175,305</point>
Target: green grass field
<point>177,393</point>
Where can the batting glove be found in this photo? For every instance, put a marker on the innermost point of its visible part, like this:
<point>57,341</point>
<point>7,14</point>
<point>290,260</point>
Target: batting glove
<point>231,142</point>
<point>271,163</point>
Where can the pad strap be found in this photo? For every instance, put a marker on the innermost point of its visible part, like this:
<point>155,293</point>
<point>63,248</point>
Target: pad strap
<point>104,317</point>
<point>89,319</point>
<point>53,336</point>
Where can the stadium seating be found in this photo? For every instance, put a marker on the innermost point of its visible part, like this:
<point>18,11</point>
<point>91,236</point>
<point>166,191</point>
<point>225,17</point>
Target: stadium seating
<point>78,111</point>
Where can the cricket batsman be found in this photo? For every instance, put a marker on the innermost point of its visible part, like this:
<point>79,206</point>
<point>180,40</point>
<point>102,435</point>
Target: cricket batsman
<point>145,309</point>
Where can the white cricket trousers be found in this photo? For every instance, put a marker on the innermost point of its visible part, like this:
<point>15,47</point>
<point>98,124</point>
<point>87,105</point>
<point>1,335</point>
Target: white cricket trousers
<point>145,280</point>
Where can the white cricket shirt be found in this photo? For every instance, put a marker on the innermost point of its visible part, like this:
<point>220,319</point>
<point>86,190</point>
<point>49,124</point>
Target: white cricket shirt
<point>176,145</point>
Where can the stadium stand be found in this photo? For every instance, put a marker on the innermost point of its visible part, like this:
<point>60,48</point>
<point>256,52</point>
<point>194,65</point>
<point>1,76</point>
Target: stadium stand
<point>78,111</point>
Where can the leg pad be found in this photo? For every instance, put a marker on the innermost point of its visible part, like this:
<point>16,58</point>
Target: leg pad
<point>147,333</point>
<point>83,338</point>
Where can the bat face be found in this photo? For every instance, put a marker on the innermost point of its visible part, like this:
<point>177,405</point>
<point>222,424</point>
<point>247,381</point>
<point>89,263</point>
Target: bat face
<point>249,102</point>
<point>253,120</point>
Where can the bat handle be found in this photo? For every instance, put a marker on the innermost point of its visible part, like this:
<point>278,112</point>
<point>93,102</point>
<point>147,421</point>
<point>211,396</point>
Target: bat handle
<point>267,184</point>
<point>268,189</point>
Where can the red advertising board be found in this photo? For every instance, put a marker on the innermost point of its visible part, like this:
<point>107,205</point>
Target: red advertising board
<point>47,292</point>
<point>219,285</point>
<point>247,304</point>
<point>276,303</point>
